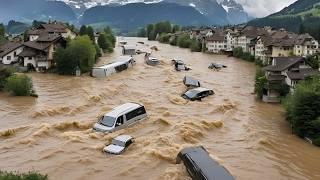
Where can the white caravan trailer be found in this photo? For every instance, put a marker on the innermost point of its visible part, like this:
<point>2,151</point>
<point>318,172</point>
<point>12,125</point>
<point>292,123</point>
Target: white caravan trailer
<point>121,64</point>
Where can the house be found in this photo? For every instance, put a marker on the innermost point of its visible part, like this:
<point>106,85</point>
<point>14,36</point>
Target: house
<point>9,52</point>
<point>38,54</point>
<point>246,36</point>
<point>55,27</point>
<point>305,45</point>
<point>217,42</point>
<point>285,71</point>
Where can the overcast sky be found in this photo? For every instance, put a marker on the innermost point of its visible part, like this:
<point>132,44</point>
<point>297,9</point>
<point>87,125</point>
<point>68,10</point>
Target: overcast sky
<point>261,8</point>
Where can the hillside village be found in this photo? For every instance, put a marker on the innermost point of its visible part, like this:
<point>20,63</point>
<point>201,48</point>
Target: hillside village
<point>283,54</point>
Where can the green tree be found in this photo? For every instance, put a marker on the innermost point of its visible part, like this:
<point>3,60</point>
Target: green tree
<point>83,30</point>
<point>260,82</point>
<point>150,32</point>
<point>19,85</point>
<point>175,28</point>
<point>302,29</point>
<point>90,33</point>
<point>104,42</point>
<point>80,52</point>
<point>314,60</point>
<point>184,41</point>
<point>4,74</point>
<point>302,109</point>
<point>195,45</point>
<point>2,34</point>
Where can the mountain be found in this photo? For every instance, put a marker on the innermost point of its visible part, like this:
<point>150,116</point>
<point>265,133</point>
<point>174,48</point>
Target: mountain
<point>15,27</point>
<point>134,15</point>
<point>303,14</point>
<point>210,8</point>
<point>235,12</point>
<point>27,11</point>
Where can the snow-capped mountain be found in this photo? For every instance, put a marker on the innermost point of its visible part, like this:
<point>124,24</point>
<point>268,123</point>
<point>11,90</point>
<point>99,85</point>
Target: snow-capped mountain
<point>235,11</point>
<point>228,12</point>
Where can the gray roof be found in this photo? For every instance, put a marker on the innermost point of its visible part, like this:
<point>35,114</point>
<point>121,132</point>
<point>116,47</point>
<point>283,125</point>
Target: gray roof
<point>28,52</point>
<point>301,74</point>
<point>283,63</point>
<point>9,47</point>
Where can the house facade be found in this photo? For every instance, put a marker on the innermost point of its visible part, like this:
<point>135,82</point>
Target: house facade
<point>38,54</point>
<point>285,71</point>
<point>216,43</point>
<point>9,52</point>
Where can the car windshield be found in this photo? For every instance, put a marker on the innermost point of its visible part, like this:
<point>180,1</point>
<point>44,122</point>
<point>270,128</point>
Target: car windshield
<point>118,143</point>
<point>107,121</point>
<point>191,93</point>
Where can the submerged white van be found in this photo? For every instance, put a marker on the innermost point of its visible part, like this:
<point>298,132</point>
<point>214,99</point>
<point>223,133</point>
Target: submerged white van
<point>121,64</point>
<point>121,117</point>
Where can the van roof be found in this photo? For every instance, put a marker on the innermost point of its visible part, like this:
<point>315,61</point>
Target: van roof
<point>210,168</point>
<point>127,47</point>
<point>121,60</point>
<point>123,109</point>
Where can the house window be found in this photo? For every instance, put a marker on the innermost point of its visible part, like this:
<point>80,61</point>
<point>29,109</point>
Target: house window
<point>15,54</point>
<point>8,58</point>
<point>30,58</point>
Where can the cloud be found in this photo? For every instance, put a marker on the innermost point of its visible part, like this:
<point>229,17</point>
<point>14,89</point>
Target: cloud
<point>261,8</point>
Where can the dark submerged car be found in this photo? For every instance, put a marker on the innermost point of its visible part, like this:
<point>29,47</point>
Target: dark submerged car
<point>201,166</point>
<point>197,93</point>
<point>180,66</point>
<point>216,66</point>
<point>191,82</point>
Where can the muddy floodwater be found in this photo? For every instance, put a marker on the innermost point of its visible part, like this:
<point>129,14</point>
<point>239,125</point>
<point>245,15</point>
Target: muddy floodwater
<point>52,134</point>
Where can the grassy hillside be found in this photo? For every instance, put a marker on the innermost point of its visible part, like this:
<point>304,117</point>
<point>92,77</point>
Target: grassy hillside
<point>302,16</point>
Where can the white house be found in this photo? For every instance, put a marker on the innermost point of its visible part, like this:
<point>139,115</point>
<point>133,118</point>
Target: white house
<point>305,45</point>
<point>38,54</point>
<point>9,52</point>
<point>216,43</point>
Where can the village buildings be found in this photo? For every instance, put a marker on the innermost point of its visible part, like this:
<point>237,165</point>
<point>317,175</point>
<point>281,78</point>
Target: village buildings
<point>37,52</point>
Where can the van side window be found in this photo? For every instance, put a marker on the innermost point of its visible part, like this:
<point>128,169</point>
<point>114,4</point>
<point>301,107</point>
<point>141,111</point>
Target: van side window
<point>135,113</point>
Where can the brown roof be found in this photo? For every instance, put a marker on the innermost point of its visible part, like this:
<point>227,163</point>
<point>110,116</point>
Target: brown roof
<point>42,46</point>
<point>301,74</point>
<point>253,32</point>
<point>219,35</point>
<point>9,47</point>
<point>55,27</point>
<point>28,52</point>
<point>283,63</point>
<point>45,37</point>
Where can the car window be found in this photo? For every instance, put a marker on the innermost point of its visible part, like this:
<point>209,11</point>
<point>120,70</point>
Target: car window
<point>118,143</point>
<point>107,121</point>
<point>119,121</point>
<point>128,143</point>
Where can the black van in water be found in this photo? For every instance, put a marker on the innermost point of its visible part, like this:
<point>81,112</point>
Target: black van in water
<point>201,166</point>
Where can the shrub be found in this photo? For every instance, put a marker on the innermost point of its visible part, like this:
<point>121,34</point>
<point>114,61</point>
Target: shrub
<point>4,74</point>
<point>80,52</point>
<point>164,38</point>
<point>260,82</point>
<point>105,43</point>
<point>302,109</point>
<point>22,176</point>
<point>19,85</point>
<point>195,45</point>
<point>184,41</point>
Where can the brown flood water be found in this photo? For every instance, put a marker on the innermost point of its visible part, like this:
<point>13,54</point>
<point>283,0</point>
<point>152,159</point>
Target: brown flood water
<point>52,134</point>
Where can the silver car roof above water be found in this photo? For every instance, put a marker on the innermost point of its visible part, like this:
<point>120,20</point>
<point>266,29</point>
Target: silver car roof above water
<point>123,109</point>
<point>123,138</point>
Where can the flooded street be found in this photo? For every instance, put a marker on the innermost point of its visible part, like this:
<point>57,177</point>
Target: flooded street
<point>52,134</point>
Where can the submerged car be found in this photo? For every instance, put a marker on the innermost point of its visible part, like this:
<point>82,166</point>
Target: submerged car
<point>190,82</point>
<point>152,61</point>
<point>197,93</point>
<point>120,117</point>
<point>180,66</point>
<point>200,166</point>
<point>216,66</point>
<point>119,144</point>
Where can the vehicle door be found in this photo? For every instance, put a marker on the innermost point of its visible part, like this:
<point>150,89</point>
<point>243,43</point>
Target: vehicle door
<point>119,123</point>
